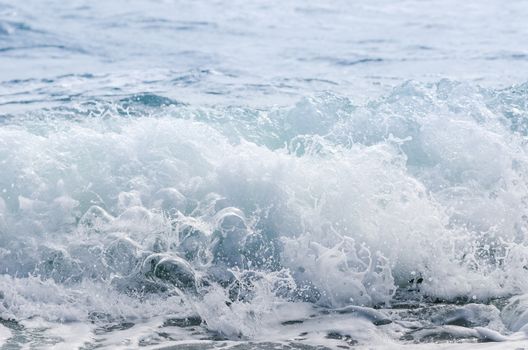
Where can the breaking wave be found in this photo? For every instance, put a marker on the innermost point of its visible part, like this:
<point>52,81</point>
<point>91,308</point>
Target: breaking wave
<point>133,209</point>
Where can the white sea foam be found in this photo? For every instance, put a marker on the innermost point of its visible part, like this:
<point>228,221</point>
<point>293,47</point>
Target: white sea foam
<point>5,334</point>
<point>185,210</point>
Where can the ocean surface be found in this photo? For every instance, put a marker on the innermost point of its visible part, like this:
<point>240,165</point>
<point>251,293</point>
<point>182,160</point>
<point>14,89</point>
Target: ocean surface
<point>263,174</point>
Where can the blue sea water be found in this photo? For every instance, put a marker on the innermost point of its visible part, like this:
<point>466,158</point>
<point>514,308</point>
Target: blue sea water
<point>258,175</point>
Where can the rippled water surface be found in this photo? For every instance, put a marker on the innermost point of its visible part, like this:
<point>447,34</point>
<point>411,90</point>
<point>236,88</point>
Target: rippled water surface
<point>263,175</point>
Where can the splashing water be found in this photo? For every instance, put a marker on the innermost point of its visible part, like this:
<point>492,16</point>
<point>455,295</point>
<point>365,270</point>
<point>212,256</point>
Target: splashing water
<point>241,175</point>
<point>233,215</point>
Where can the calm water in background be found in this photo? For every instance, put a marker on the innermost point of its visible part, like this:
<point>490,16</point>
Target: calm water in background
<point>251,174</point>
<point>252,53</point>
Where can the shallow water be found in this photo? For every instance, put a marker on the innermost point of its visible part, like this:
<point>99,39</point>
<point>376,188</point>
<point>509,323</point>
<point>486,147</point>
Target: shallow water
<point>245,175</point>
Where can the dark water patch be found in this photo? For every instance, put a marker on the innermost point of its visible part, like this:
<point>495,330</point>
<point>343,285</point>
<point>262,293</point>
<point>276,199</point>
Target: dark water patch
<point>441,335</point>
<point>344,337</point>
<point>513,56</point>
<point>158,23</point>
<point>422,48</point>
<point>375,41</point>
<point>377,318</point>
<point>22,337</point>
<point>46,46</point>
<point>49,80</point>
<point>211,92</point>
<point>36,101</point>
<point>11,324</point>
<point>121,326</point>
<point>8,28</point>
<point>287,323</point>
<point>155,339</point>
<point>183,322</point>
<point>148,100</point>
<point>192,77</point>
<point>318,80</point>
<point>346,62</point>
<point>343,61</point>
<point>82,75</point>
